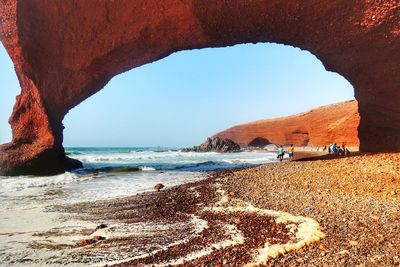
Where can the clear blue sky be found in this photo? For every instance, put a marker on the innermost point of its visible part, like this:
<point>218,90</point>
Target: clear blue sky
<point>182,99</point>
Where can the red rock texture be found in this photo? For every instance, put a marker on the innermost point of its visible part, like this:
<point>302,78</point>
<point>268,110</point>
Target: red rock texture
<point>319,127</point>
<point>64,51</point>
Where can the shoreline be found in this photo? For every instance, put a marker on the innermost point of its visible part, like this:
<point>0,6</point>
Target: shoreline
<point>234,230</point>
<point>354,199</point>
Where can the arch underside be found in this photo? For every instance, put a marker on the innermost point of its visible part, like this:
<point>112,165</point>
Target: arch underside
<point>65,51</point>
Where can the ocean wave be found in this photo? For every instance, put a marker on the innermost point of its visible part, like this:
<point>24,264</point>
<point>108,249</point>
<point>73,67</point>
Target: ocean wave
<point>107,160</point>
<point>119,169</point>
<point>144,156</point>
<point>73,153</point>
<point>206,165</point>
<point>147,168</point>
<point>114,169</point>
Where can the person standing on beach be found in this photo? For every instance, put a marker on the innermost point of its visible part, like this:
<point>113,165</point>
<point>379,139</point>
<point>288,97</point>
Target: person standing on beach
<point>290,151</point>
<point>281,152</point>
<point>335,148</point>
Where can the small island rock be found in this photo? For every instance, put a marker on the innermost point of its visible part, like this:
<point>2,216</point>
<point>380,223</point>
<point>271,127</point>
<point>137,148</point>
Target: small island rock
<point>215,144</point>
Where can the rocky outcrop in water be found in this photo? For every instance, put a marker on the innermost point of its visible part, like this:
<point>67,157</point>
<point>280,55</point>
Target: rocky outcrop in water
<point>215,144</point>
<point>319,127</point>
<point>66,51</point>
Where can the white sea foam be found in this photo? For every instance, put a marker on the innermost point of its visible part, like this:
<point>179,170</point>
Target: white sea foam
<point>235,238</point>
<point>25,215</point>
<point>175,157</point>
<point>199,225</point>
<point>147,168</point>
<point>12,184</point>
<point>25,198</point>
<point>306,230</point>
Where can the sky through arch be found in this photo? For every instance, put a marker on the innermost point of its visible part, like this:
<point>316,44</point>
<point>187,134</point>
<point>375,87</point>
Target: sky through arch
<point>9,89</point>
<point>181,99</point>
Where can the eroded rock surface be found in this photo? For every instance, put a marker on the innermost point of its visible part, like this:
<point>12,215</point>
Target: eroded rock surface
<point>65,51</point>
<point>319,127</point>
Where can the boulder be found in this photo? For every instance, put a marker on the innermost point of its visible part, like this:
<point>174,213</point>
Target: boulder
<point>158,187</point>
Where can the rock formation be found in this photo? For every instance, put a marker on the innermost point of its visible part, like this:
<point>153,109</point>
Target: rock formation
<point>215,144</point>
<point>259,142</point>
<point>65,51</point>
<point>321,126</point>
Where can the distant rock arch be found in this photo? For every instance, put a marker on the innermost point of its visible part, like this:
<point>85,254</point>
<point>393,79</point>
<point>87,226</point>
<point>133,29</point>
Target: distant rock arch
<point>259,142</point>
<point>65,51</point>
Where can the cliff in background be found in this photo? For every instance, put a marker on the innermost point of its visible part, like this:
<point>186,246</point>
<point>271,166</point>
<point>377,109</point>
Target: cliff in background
<point>320,126</point>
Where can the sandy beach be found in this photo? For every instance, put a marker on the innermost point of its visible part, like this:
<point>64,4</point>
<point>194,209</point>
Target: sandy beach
<point>353,205</point>
<point>356,200</point>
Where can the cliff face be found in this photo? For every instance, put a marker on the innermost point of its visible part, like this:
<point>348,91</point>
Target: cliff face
<point>321,126</point>
<point>65,51</point>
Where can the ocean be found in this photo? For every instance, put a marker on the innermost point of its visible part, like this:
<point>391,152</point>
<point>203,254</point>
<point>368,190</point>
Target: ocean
<point>27,210</point>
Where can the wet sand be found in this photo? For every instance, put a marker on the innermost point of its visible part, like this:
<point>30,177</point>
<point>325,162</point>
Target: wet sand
<point>355,200</point>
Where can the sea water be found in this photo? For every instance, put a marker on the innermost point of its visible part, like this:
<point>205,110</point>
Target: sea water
<point>27,201</point>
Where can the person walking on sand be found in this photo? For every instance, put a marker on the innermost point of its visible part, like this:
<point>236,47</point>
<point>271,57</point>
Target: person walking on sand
<point>290,151</point>
<point>281,152</point>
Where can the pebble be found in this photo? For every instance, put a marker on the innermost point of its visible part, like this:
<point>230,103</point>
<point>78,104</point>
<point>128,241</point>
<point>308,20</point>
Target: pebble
<point>159,186</point>
<point>353,243</point>
<point>101,226</point>
<point>335,189</point>
<point>375,218</point>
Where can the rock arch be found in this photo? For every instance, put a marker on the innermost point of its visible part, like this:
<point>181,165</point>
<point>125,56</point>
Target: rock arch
<point>65,51</point>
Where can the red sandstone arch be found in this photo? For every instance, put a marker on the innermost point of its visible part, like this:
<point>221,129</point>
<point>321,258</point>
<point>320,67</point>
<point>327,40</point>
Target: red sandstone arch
<point>66,50</point>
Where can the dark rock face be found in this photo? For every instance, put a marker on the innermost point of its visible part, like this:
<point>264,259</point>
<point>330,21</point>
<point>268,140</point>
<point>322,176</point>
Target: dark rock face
<point>215,144</point>
<point>260,142</point>
<point>66,51</point>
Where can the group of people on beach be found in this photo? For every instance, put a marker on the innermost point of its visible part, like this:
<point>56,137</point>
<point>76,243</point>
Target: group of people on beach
<point>338,150</point>
<point>281,152</point>
<point>332,149</point>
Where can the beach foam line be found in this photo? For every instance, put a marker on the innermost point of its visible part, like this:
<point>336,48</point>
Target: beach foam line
<point>306,230</point>
<point>10,184</point>
<point>235,238</point>
<point>199,226</point>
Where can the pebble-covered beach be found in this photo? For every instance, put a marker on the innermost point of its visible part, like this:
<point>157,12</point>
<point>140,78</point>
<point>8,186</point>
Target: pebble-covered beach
<point>355,200</point>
